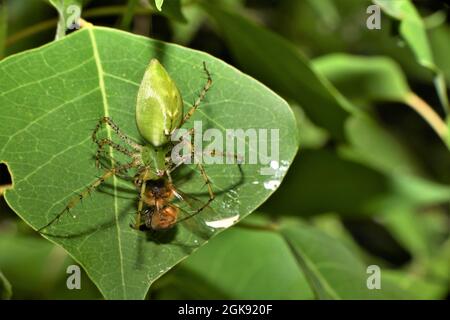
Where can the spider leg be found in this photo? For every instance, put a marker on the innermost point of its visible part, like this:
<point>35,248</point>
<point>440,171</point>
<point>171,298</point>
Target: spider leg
<point>140,205</point>
<point>237,158</point>
<point>75,200</point>
<point>208,184</point>
<point>122,136</point>
<point>116,163</point>
<point>102,143</point>
<point>201,96</point>
<point>173,166</point>
<point>203,174</point>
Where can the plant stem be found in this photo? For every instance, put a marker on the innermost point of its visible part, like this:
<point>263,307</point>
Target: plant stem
<point>128,14</point>
<point>95,12</point>
<point>429,115</point>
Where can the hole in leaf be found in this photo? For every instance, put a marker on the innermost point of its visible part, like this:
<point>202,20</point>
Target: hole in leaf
<point>5,176</point>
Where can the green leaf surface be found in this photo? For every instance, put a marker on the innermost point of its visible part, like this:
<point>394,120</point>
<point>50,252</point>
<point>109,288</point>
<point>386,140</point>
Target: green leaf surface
<point>282,66</point>
<point>239,264</point>
<point>419,288</point>
<point>184,32</point>
<point>415,230</point>
<point>378,78</point>
<point>245,264</point>
<point>311,136</point>
<point>50,105</point>
<point>365,80</point>
<point>413,31</point>
<point>5,288</point>
<point>321,174</point>
<point>332,270</point>
<point>378,148</point>
<point>37,268</point>
<point>67,14</point>
<point>441,48</point>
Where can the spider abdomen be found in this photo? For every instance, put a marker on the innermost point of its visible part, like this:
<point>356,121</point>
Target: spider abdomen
<point>159,108</point>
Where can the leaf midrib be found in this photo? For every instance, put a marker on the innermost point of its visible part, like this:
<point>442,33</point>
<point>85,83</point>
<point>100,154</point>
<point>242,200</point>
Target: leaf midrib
<point>317,282</point>
<point>101,74</point>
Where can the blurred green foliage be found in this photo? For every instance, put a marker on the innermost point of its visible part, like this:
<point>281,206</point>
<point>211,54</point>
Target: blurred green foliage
<point>370,184</point>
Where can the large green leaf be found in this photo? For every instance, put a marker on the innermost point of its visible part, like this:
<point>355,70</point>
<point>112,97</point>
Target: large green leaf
<point>50,104</point>
<point>239,264</point>
<point>332,270</point>
<point>242,264</point>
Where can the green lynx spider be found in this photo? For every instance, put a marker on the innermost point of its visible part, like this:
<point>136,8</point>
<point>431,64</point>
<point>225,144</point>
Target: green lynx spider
<point>159,112</point>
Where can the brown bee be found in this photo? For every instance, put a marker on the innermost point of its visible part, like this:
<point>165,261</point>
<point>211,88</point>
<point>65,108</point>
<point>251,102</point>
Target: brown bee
<point>162,200</point>
<point>160,213</point>
<point>161,218</point>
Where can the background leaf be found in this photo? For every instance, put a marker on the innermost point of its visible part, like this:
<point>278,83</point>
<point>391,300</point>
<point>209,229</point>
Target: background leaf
<point>241,263</point>
<point>37,268</point>
<point>5,288</point>
<point>332,270</point>
<point>285,69</point>
<point>379,78</point>
<point>60,100</point>
<point>171,9</point>
<point>413,31</point>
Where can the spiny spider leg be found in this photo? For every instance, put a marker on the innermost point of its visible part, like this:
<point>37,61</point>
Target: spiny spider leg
<point>173,166</point>
<point>74,201</point>
<point>116,129</point>
<point>208,184</point>
<point>236,157</point>
<point>140,205</point>
<point>203,173</point>
<point>102,142</point>
<point>116,163</point>
<point>201,96</point>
